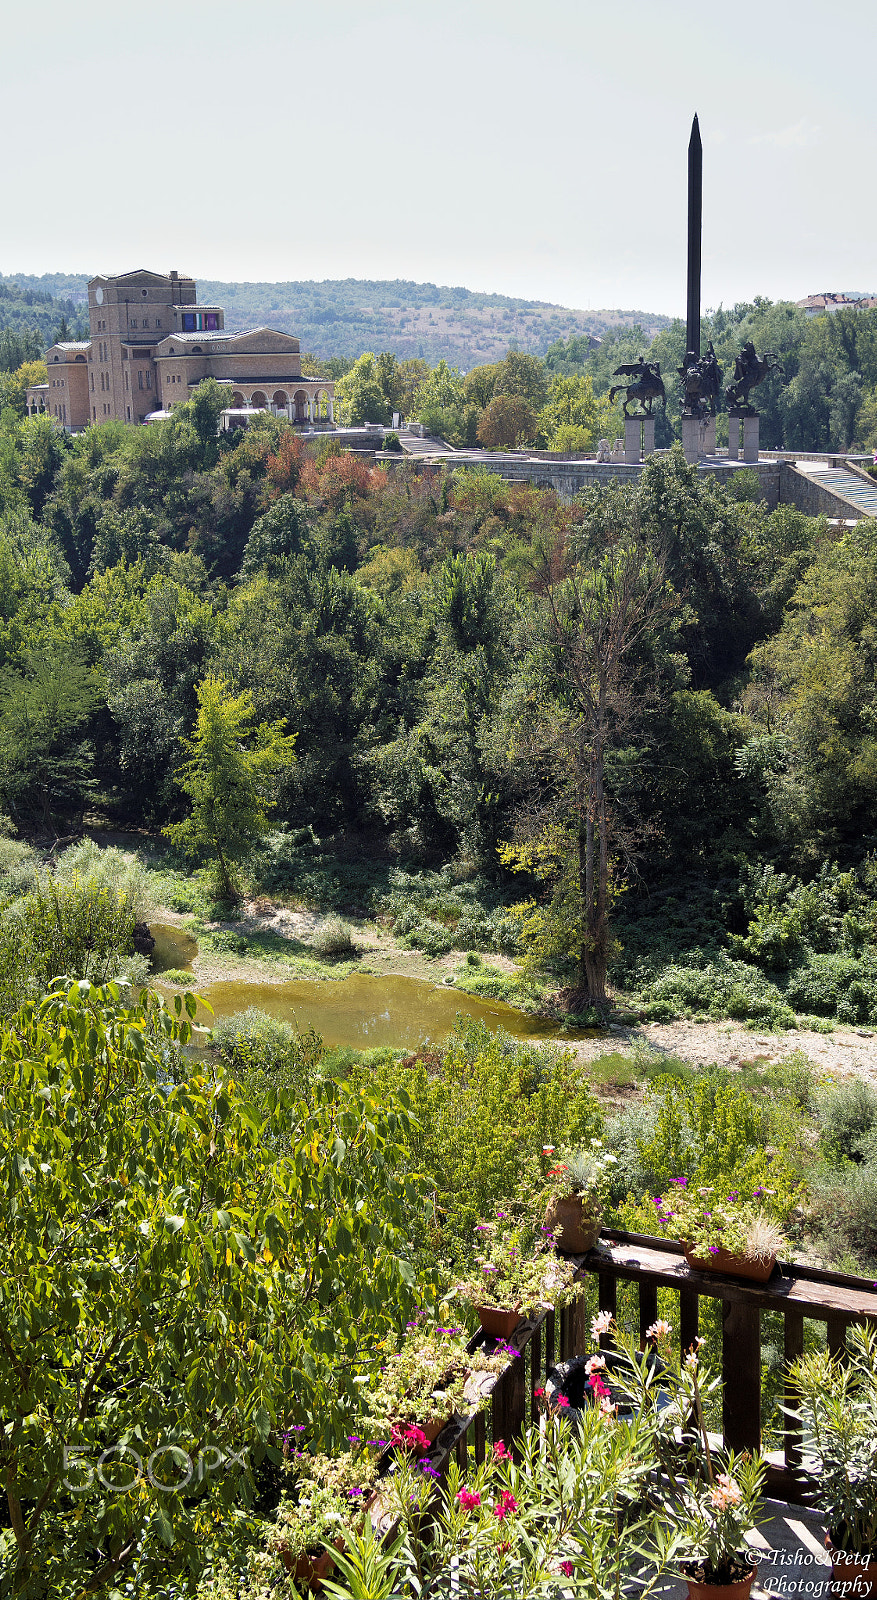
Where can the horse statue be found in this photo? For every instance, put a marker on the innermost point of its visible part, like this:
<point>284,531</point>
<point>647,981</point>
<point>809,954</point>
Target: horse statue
<point>701,383</point>
<point>647,386</point>
<point>749,371</point>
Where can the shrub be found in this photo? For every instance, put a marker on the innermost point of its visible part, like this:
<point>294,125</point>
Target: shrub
<point>838,984</point>
<point>721,987</point>
<point>266,1055</point>
<point>843,1215</point>
<point>485,1105</point>
<point>334,939</point>
<point>81,930</point>
<point>92,867</point>
<point>848,1114</point>
<point>19,866</point>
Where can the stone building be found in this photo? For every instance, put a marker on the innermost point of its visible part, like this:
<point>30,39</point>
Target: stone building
<point>152,344</point>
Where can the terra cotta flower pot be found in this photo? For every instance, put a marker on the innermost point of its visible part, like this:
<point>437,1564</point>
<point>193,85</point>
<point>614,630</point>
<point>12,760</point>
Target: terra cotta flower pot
<point>579,1229</point>
<point>702,1589</point>
<point>853,1572</point>
<point>729,1265</point>
<point>497,1323</point>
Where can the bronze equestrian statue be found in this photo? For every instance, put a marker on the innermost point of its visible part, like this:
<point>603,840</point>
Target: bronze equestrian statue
<point>701,383</point>
<point>749,371</point>
<point>647,387</point>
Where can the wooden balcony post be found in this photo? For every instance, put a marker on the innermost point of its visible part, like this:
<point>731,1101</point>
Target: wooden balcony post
<point>689,1319</point>
<point>535,1368</point>
<point>549,1341</point>
<point>648,1308</point>
<point>837,1335</point>
<point>741,1372</point>
<point>608,1301</point>
<point>793,1347</point>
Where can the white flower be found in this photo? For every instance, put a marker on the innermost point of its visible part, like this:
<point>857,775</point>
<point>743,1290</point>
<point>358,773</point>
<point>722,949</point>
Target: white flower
<point>691,1361</point>
<point>601,1323</point>
<point>659,1330</point>
<point>595,1364</point>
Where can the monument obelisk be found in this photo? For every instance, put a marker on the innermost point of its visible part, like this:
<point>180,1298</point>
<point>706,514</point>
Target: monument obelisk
<point>695,206</point>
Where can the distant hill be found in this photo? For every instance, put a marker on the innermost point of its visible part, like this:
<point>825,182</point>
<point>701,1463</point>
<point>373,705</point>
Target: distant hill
<point>31,316</point>
<point>343,317</point>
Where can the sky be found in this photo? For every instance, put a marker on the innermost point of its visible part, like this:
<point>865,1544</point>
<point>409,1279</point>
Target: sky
<point>535,149</point>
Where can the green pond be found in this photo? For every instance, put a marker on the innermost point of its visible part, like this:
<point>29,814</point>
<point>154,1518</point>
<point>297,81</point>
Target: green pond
<point>363,1010</point>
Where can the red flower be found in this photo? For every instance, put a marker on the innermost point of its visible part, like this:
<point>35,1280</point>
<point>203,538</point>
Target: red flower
<point>506,1505</point>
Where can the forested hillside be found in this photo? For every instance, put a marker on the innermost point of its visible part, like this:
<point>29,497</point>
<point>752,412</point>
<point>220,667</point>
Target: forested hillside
<point>430,639</point>
<point>343,317</point>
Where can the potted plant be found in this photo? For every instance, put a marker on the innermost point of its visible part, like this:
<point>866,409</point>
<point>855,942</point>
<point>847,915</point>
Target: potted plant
<point>708,1499</point>
<point>837,1407</point>
<point>574,1196</point>
<point>421,1386</point>
<point>730,1234</point>
<point>515,1274</point>
<point>329,1497</point>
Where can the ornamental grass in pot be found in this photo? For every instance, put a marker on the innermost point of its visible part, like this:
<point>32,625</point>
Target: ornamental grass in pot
<point>836,1405</point>
<point>574,1196</point>
<point>515,1274</point>
<point>731,1234</point>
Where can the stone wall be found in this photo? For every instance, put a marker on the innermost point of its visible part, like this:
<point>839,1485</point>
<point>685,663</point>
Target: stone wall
<point>814,499</point>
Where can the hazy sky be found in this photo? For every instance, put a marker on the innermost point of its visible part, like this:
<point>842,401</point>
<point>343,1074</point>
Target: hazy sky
<point>531,148</point>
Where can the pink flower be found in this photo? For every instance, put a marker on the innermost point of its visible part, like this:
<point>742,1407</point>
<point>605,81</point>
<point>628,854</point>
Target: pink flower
<point>595,1364</point>
<point>506,1505</point>
<point>598,1386</point>
<point>468,1499</point>
<point>562,1400</point>
<point>539,1394</point>
<point>566,1568</point>
<point>601,1324</point>
<point>409,1437</point>
<point>500,1453</point>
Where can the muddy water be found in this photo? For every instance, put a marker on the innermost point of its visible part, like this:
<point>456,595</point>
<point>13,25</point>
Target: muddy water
<point>175,950</point>
<point>366,1011</point>
<point>363,1010</point>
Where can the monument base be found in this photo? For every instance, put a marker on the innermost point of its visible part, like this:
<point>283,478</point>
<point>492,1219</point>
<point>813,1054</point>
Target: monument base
<point>692,439</point>
<point>750,438</point>
<point>709,436</point>
<point>633,440</point>
<point>639,439</point>
<point>733,438</point>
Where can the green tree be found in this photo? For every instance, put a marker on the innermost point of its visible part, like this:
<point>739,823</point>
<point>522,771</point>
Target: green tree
<point>574,418</point>
<point>359,395</point>
<point>231,786</point>
<point>508,422</point>
<point>522,374</point>
<point>46,766</point>
<point>595,678</point>
<point>185,1276</point>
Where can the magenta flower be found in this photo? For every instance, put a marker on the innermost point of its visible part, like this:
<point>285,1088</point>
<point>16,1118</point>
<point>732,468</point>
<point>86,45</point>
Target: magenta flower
<point>506,1505</point>
<point>566,1568</point>
<point>468,1499</point>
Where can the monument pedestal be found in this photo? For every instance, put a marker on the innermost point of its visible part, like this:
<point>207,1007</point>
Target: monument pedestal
<point>733,437</point>
<point>639,439</point>
<point>633,440</point>
<point>692,439</point>
<point>708,426</point>
<point>750,438</point>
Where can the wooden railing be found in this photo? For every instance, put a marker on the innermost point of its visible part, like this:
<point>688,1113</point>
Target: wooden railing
<point>796,1292</point>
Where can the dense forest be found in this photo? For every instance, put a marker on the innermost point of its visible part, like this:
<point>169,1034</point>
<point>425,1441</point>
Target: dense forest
<point>432,639</point>
<point>616,758</point>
